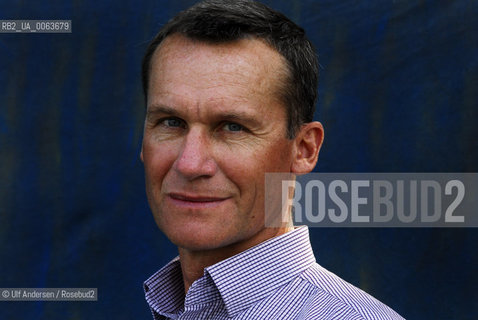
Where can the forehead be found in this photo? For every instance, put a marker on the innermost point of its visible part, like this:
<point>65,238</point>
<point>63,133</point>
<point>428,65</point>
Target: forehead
<point>248,64</point>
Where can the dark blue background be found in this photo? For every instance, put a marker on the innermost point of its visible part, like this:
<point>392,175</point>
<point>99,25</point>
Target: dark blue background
<point>398,93</point>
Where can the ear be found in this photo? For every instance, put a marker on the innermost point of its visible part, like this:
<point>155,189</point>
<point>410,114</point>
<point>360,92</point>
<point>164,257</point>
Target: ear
<point>141,153</point>
<point>307,142</point>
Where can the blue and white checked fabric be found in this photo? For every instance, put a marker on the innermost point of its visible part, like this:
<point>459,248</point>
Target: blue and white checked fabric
<point>277,279</point>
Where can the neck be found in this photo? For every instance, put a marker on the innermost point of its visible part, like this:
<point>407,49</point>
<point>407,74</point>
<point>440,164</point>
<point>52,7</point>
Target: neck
<point>193,262</point>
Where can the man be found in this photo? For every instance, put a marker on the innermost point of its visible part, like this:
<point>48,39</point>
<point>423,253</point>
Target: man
<point>230,89</point>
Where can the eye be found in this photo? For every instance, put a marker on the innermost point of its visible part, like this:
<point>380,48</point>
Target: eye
<point>233,127</point>
<point>173,123</point>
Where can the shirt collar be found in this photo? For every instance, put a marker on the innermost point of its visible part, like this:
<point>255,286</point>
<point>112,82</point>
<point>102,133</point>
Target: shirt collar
<point>164,290</point>
<point>254,274</point>
<point>241,280</point>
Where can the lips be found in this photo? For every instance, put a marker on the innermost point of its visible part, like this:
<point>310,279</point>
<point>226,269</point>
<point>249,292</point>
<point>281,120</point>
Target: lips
<point>195,198</point>
<point>195,201</point>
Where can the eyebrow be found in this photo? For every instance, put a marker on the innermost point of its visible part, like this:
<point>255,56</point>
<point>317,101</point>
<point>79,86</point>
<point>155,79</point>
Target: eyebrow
<point>154,109</point>
<point>232,115</point>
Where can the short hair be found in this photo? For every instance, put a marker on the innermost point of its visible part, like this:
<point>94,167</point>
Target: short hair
<point>216,21</point>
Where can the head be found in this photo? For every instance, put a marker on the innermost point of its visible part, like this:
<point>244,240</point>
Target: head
<point>223,87</point>
<point>216,21</point>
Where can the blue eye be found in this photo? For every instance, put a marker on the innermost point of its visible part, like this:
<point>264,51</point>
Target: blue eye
<point>173,122</point>
<point>234,127</point>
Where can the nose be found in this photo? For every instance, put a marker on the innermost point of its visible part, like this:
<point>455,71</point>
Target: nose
<point>195,158</point>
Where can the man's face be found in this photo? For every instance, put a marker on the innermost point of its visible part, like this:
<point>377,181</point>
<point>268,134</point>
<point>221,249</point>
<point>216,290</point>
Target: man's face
<point>214,126</point>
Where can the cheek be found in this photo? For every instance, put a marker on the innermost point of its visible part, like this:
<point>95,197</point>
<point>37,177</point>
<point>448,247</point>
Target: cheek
<point>248,166</point>
<point>158,159</point>
<point>246,170</point>
<point>273,157</point>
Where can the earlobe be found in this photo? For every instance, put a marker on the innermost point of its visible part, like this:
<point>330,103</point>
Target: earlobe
<point>308,142</point>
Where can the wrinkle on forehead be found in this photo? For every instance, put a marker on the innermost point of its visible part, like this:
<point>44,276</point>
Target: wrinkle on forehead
<point>224,64</point>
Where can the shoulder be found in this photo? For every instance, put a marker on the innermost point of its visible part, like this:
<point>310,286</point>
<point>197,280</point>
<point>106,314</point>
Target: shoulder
<point>334,298</point>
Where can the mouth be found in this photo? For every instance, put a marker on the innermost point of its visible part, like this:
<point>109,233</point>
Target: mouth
<point>196,201</point>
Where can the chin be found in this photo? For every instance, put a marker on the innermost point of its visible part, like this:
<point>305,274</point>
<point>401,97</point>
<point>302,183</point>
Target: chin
<point>196,238</point>
<point>192,243</point>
